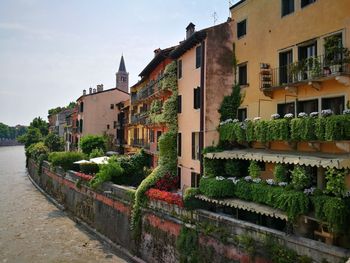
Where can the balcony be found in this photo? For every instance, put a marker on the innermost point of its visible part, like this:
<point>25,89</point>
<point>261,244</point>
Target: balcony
<point>311,71</point>
<point>147,91</point>
<point>140,143</point>
<point>139,118</point>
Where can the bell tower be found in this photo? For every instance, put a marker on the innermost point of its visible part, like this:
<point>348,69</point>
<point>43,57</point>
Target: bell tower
<point>122,77</point>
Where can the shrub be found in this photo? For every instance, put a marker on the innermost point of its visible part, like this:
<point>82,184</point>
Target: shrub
<point>32,136</point>
<point>254,169</point>
<point>89,168</point>
<point>66,159</point>
<point>243,190</point>
<point>54,142</point>
<point>280,173</point>
<point>233,168</point>
<point>90,142</point>
<point>168,152</point>
<point>213,188</point>
<point>230,104</point>
<point>335,182</point>
<point>35,150</point>
<point>300,179</point>
<point>107,171</point>
<point>167,183</point>
<point>303,129</point>
<point>213,167</point>
<point>190,202</point>
<point>261,131</point>
<point>278,130</point>
<point>187,245</point>
<point>294,203</point>
<point>96,153</point>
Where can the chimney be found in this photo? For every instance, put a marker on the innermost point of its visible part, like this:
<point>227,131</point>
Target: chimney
<point>90,90</point>
<point>99,88</point>
<point>156,51</point>
<point>94,91</point>
<point>84,92</point>
<point>190,29</point>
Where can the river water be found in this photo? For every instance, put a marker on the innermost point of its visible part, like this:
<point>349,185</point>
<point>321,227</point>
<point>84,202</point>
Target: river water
<point>33,230</point>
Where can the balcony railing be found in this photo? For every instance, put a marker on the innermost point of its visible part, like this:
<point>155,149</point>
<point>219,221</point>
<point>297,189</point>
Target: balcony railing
<point>310,69</point>
<point>151,88</point>
<point>139,118</point>
<point>140,143</point>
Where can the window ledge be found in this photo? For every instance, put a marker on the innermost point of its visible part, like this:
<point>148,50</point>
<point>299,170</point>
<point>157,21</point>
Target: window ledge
<point>244,86</point>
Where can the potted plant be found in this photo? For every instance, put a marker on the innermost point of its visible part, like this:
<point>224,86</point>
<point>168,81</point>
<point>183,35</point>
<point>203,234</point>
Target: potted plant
<point>335,54</point>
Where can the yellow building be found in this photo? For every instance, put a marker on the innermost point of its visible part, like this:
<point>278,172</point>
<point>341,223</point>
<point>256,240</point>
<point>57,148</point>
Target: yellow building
<point>283,64</point>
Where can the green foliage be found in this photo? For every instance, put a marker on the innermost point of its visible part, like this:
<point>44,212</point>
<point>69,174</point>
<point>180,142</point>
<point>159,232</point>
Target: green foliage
<point>213,167</point>
<point>90,142</point>
<point>168,151</point>
<point>36,150</point>
<point>337,128</point>
<point>8,132</point>
<point>232,132</point>
<point>250,133</point>
<point>300,178</point>
<point>335,182</point>
<point>320,124</point>
<point>156,106</point>
<point>280,173</point>
<point>169,82</point>
<point>54,142</point>
<point>170,111</point>
<point>303,129</point>
<point>213,188</point>
<point>294,203</point>
<point>247,243</point>
<point>243,190</point>
<point>233,168</point>
<point>278,130</point>
<point>89,168</point>
<point>97,152</point>
<point>55,110</point>
<point>65,159</point>
<point>187,245</point>
<point>190,202</point>
<point>254,169</point>
<point>41,125</point>
<point>261,133</point>
<point>107,172</point>
<point>32,136</point>
<point>278,253</point>
<point>335,53</point>
<point>332,210</point>
<point>230,104</point>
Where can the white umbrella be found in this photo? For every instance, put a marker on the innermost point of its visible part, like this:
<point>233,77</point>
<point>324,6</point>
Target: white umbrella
<point>100,160</point>
<point>81,161</point>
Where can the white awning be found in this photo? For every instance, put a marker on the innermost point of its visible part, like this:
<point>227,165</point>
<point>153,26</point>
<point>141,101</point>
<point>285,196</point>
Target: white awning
<point>338,161</point>
<point>100,160</point>
<point>248,206</point>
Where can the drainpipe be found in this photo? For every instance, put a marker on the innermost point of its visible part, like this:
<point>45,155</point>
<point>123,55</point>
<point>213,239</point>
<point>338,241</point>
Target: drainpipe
<point>201,123</point>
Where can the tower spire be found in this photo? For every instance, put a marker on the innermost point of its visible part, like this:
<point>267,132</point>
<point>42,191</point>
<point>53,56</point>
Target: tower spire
<point>122,67</point>
<point>122,77</point>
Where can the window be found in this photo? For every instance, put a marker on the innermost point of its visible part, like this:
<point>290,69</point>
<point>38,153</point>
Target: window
<point>107,126</point>
<point>306,2</point>
<point>114,124</point>
<point>151,136</point>
<point>197,98</point>
<point>195,177</point>
<point>305,52</point>
<point>242,114</point>
<point>336,104</point>
<point>81,126</point>
<point>287,7</point>
<point>112,106</point>
<point>285,59</point>
<point>195,146</point>
<point>179,104</point>
<point>307,106</point>
<point>242,28</point>
<point>179,144</point>
<point>242,74</point>
<point>179,176</point>
<point>284,108</point>
<point>179,69</point>
<point>81,106</point>
<point>198,56</point>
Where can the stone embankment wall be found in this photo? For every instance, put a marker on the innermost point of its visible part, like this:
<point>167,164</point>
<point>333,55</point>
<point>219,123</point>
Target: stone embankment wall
<point>6,142</point>
<point>108,210</point>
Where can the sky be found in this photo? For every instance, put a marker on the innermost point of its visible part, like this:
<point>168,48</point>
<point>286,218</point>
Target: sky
<point>50,50</point>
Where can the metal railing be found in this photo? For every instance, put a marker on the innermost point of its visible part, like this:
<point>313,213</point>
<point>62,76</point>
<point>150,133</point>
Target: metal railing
<point>310,69</point>
<point>148,90</point>
<point>140,143</point>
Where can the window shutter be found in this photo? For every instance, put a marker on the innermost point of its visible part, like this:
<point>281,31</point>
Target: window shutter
<point>179,69</point>
<point>193,145</point>
<point>179,176</point>
<point>179,144</point>
<point>198,97</point>
<point>194,98</point>
<point>179,104</point>
<point>193,179</point>
<point>198,56</point>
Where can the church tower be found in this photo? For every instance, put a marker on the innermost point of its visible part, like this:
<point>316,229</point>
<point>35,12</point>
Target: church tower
<point>122,77</point>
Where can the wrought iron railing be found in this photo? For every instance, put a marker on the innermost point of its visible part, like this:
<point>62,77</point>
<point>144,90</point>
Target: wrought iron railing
<point>140,143</point>
<point>148,90</point>
<point>310,69</point>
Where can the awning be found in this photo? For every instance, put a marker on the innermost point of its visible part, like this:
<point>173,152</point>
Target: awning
<point>339,161</point>
<point>248,206</point>
<point>100,160</point>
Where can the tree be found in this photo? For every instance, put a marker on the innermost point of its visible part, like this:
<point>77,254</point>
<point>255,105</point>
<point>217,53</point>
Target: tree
<point>32,136</point>
<point>54,142</point>
<point>91,142</point>
<point>41,125</point>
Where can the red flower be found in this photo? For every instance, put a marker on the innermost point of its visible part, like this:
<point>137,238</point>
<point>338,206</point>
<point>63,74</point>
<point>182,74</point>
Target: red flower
<point>167,183</point>
<point>170,198</point>
<point>83,176</point>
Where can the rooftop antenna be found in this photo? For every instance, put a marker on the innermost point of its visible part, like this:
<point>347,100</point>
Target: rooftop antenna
<point>229,5</point>
<point>215,17</point>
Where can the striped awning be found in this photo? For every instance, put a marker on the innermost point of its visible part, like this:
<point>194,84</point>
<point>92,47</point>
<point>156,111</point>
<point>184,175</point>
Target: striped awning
<point>339,161</point>
<point>248,206</point>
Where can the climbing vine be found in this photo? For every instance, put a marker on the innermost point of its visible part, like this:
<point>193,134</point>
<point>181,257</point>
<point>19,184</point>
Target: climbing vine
<point>167,147</point>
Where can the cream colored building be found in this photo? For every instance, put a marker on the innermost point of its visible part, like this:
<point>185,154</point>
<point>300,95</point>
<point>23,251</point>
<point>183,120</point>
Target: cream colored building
<point>205,76</point>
